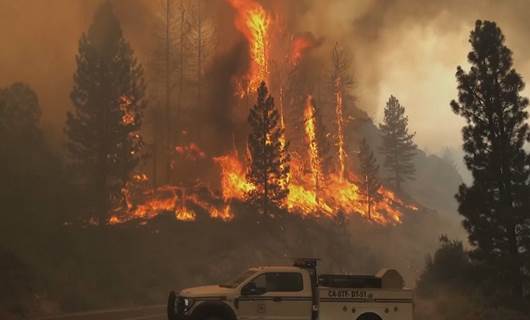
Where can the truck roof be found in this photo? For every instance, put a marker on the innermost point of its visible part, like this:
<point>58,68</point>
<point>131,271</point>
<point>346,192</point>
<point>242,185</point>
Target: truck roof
<point>276,268</point>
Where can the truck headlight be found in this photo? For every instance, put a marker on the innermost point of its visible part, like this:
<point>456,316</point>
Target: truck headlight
<point>188,303</point>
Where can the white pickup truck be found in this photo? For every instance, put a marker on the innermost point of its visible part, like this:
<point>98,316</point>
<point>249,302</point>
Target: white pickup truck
<point>296,293</point>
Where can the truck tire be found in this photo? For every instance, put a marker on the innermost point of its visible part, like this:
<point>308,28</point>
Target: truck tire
<point>369,316</point>
<point>213,311</point>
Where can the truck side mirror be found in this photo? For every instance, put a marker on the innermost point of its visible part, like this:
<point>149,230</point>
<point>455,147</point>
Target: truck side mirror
<point>250,289</point>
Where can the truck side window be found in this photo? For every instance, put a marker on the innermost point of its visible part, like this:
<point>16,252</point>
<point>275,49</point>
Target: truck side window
<point>279,282</point>
<point>284,282</point>
<point>260,282</point>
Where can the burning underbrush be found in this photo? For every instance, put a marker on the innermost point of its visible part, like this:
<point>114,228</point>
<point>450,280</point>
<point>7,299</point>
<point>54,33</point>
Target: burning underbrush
<point>336,197</point>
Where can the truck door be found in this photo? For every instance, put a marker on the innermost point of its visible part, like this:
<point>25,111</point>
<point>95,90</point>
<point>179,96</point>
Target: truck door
<point>276,296</point>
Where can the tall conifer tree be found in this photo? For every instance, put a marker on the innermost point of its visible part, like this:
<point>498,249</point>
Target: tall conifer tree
<point>268,156</point>
<point>108,99</point>
<point>398,145</point>
<point>496,205</point>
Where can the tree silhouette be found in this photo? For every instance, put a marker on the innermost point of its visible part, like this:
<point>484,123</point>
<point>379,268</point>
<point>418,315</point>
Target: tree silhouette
<point>496,206</point>
<point>369,175</point>
<point>398,146</point>
<point>268,157</point>
<point>108,98</point>
<point>166,80</point>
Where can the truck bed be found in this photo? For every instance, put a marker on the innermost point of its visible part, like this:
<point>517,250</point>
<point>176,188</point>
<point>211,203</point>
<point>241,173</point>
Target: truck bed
<point>343,303</point>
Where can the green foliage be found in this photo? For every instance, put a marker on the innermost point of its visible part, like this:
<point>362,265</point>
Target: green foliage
<point>19,115</point>
<point>32,176</point>
<point>369,175</point>
<point>108,98</point>
<point>269,160</point>
<point>448,269</point>
<point>496,207</point>
<point>398,145</point>
<point>452,286</point>
<point>35,194</point>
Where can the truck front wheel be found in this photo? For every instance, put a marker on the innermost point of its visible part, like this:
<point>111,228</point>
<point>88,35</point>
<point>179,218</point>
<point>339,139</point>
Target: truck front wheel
<point>369,316</point>
<point>171,306</point>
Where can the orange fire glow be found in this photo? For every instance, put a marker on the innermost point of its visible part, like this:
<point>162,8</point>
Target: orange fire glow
<point>233,179</point>
<point>313,192</point>
<point>340,128</point>
<point>127,117</point>
<point>253,22</point>
<point>299,46</point>
<point>164,199</point>
<point>310,131</point>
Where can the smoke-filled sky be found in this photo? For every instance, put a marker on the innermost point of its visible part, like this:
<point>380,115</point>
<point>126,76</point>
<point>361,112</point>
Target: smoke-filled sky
<point>408,48</point>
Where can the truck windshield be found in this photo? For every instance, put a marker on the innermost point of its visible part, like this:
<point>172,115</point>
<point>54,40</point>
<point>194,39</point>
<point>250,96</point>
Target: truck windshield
<point>238,280</point>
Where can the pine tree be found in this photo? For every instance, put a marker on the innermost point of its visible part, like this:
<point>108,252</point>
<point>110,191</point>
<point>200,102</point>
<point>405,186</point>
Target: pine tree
<point>369,175</point>
<point>398,146</point>
<point>268,156</point>
<point>108,98</point>
<point>496,206</point>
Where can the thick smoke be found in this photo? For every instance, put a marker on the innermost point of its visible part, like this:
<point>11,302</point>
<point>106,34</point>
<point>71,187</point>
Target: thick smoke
<point>411,49</point>
<point>401,47</point>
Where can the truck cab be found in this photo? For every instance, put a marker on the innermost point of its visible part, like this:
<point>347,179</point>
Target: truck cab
<point>296,293</point>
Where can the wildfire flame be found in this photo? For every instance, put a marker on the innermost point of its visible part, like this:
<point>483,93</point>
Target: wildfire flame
<point>127,117</point>
<point>233,180</point>
<point>335,195</point>
<point>312,192</point>
<point>339,109</point>
<point>310,130</point>
<point>163,199</point>
<point>253,22</point>
<point>299,46</point>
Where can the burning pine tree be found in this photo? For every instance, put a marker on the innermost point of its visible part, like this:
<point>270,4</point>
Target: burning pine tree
<point>268,157</point>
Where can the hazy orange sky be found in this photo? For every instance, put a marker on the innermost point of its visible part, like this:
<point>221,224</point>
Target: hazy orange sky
<point>406,48</point>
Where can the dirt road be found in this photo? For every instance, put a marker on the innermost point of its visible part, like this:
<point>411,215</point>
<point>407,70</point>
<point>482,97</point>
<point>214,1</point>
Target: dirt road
<point>157,312</point>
